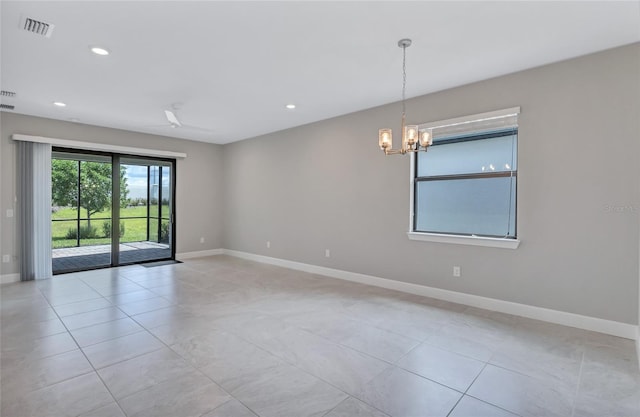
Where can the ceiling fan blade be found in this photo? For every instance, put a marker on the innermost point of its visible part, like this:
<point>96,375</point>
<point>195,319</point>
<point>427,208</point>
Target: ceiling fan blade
<point>171,117</point>
<point>197,128</point>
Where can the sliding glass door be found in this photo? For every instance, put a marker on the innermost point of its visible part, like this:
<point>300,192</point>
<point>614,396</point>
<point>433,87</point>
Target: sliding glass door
<point>81,187</point>
<point>98,222</point>
<point>149,212</point>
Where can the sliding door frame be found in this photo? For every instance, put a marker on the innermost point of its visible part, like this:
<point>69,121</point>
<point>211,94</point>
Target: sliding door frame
<point>172,189</point>
<point>115,210</point>
<point>115,202</point>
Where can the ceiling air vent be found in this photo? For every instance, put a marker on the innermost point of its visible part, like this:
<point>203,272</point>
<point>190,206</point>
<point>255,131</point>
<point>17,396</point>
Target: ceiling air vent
<point>5,93</point>
<point>7,107</point>
<point>37,26</point>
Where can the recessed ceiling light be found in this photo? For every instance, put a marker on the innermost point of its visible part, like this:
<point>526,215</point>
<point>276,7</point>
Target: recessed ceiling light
<point>290,106</point>
<point>99,51</point>
<point>59,104</point>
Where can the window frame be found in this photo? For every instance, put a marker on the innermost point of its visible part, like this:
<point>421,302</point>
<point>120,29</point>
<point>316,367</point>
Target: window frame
<point>464,239</point>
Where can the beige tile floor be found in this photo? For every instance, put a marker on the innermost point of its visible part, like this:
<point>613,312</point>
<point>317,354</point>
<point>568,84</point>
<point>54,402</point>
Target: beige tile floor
<point>224,337</point>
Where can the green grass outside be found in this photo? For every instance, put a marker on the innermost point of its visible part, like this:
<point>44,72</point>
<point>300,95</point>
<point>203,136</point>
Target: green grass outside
<point>135,229</point>
<point>72,214</point>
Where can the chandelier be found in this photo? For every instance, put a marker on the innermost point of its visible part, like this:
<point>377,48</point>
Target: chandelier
<point>413,139</point>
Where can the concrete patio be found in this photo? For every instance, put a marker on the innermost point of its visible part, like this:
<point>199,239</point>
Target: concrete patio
<point>87,257</point>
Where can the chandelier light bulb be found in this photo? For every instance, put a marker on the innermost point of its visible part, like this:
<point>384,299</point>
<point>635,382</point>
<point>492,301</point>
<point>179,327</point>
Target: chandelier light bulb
<point>385,139</point>
<point>411,134</point>
<point>425,138</point>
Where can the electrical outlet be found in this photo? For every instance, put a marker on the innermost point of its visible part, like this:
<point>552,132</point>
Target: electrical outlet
<point>202,240</point>
<point>268,244</point>
<point>456,271</point>
<point>6,258</point>
<point>327,253</point>
<point>9,212</point>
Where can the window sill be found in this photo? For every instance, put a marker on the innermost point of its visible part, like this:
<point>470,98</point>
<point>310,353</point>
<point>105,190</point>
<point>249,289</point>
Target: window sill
<point>492,242</point>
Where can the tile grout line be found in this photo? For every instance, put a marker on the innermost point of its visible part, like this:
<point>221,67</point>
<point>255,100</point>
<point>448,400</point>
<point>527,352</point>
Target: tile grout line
<point>309,372</point>
<point>286,362</point>
<point>269,353</point>
<point>336,406</point>
<point>577,391</point>
<point>465,391</point>
<point>193,367</point>
<point>350,348</point>
<point>486,402</point>
<point>95,371</point>
<point>284,350</point>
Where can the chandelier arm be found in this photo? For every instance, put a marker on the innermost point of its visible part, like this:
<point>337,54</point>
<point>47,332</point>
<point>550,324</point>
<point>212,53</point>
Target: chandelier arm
<point>404,151</point>
<point>394,151</point>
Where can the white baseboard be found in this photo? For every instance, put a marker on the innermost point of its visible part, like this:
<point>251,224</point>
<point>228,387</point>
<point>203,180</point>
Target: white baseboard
<point>9,278</point>
<point>628,331</point>
<point>199,254</point>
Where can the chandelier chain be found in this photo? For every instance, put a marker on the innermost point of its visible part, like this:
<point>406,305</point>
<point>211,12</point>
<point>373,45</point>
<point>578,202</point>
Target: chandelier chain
<point>404,76</point>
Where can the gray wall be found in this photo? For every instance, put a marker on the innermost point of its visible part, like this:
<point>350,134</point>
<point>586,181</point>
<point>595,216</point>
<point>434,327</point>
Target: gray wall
<point>198,188</point>
<point>326,185</point>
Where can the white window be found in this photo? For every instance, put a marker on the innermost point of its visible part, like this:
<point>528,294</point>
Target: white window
<point>465,185</point>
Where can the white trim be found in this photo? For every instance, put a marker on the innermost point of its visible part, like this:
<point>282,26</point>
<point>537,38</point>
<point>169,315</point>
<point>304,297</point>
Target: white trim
<point>9,278</point>
<point>66,143</point>
<point>471,118</point>
<point>412,189</point>
<point>198,254</point>
<point>465,240</point>
<point>628,331</point>
<point>448,238</point>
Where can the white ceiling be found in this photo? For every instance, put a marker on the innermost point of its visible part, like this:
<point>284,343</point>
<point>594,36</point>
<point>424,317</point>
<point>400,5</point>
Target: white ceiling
<point>235,65</point>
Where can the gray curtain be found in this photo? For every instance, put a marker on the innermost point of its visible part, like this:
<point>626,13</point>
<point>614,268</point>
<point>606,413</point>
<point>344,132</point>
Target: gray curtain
<point>34,209</point>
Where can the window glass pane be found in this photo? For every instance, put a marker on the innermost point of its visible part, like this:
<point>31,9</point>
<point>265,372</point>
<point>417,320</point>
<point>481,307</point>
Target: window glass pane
<point>153,230</point>
<point>93,233</point>
<point>134,211</point>
<point>64,189</point>
<point>166,192</point>
<point>64,234</point>
<point>470,157</point>
<point>136,180</point>
<point>154,191</point>
<point>133,217</point>
<point>133,230</point>
<point>478,206</point>
<point>95,190</point>
<point>165,232</point>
